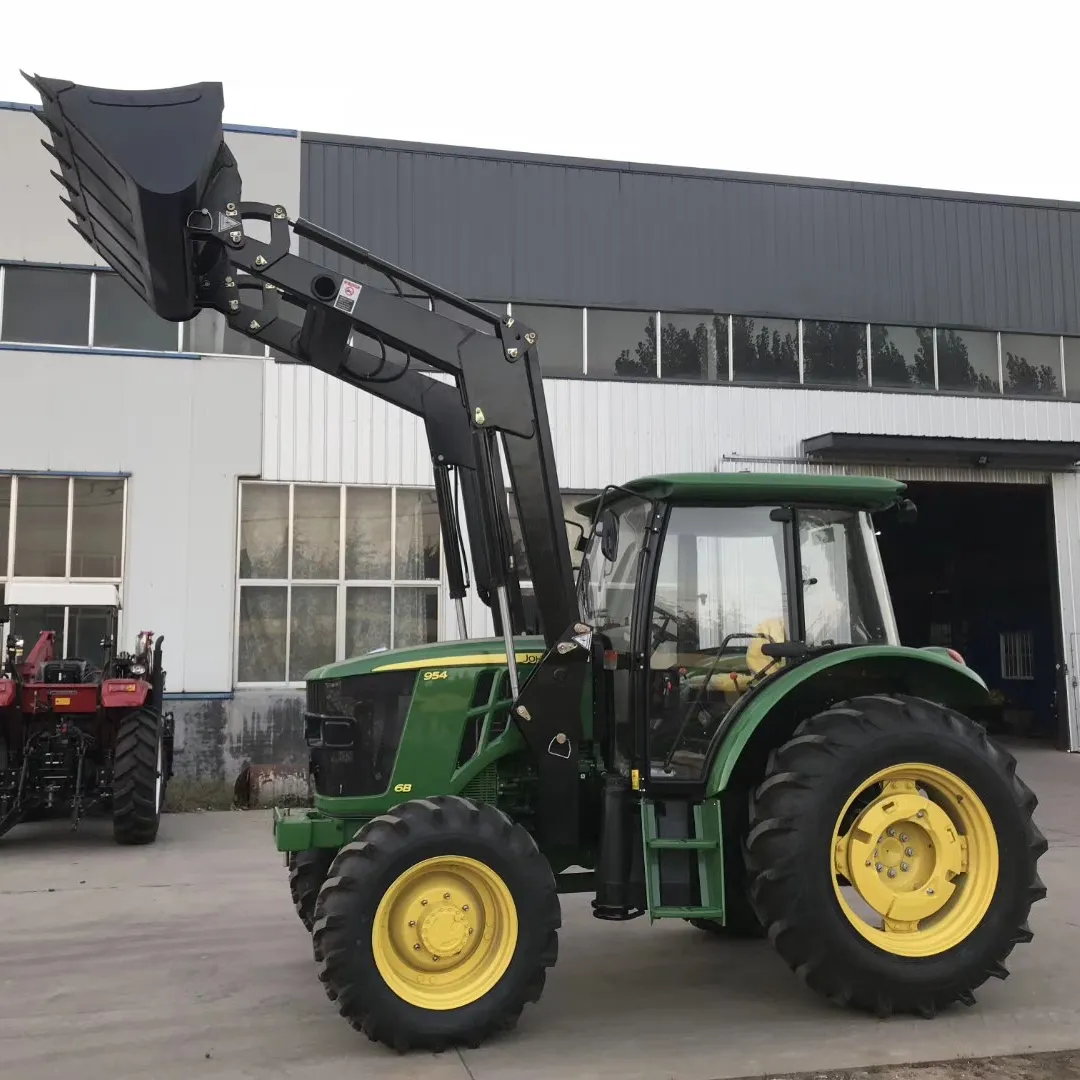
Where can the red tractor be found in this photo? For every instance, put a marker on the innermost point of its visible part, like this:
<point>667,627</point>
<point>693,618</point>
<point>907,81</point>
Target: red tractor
<point>79,738</point>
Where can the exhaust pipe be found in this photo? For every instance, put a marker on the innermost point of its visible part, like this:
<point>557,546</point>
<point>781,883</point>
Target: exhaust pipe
<point>135,165</point>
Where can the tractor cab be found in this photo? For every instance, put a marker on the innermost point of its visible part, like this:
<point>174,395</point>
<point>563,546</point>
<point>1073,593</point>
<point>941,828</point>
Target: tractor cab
<point>704,586</point>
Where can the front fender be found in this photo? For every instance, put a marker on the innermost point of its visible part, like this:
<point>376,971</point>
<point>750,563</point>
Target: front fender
<point>124,693</point>
<point>764,720</point>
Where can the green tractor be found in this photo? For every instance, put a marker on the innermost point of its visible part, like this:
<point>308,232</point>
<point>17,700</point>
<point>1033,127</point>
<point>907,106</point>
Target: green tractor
<point>713,721</point>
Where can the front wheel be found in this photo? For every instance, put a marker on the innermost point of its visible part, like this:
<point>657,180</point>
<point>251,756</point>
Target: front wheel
<point>437,924</point>
<point>138,777</point>
<point>892,855</point>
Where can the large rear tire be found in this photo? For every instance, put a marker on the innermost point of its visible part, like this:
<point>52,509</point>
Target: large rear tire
<point>911,807</point>
<point>437,924</point>
<point>138,778</point>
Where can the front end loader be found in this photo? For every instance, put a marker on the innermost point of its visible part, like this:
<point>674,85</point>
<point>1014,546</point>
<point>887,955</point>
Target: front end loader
<point>715,721</point>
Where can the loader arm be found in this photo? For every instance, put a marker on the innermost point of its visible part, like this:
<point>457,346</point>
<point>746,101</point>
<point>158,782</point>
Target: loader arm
<point>155,190</point>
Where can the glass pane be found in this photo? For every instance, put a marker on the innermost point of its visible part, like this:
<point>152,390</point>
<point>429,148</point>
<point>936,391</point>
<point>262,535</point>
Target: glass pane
<point>845,597</point>
<point>1031,364</point>
<point>622,343</point>
<point>1072,368</point>
<point>261,648</point>
<point>721,592</point>
<point>86,628</point>
<point>264,531</point>
<point>693,347</point>
<point>123,320</point>
<point>558,338</point>
<point>416,537</point>
<point>367,534</point>
<point>30,621</point>
<point>97,528</point>
<point>316,531</point>
<point>416,615</point>
<point>209,333</point>
<point>765,350</point>
<point>834,354</point>
<point>312,628</point>
<point>967,360</point>
<point>50,307</point>
<point>367,619</point>
<point>5,517</point>
<point>902,356</point>
<point>41,526</point>
<point>574,519</point>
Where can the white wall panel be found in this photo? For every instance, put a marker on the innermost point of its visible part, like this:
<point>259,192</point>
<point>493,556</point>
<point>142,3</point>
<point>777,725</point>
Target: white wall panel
<point>1066,487</point>
<point>36,225</point>
<point>184,430</point>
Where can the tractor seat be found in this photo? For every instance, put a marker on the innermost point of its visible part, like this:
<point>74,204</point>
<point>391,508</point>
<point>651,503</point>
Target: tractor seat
<point>73,670</point>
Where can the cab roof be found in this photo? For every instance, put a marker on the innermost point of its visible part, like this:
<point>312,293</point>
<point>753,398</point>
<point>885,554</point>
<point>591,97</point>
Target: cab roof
<point>759,488</point>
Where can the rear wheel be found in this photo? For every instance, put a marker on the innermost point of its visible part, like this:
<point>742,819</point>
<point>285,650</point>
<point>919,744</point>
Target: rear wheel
<point>437,924</point>
<point>138,778</point>
<point>892,855</point>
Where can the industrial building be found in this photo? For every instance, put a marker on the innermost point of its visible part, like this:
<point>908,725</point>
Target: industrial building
<point>266,518</point>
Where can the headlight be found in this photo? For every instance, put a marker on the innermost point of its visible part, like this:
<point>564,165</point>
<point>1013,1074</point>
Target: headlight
<point>138,669</point>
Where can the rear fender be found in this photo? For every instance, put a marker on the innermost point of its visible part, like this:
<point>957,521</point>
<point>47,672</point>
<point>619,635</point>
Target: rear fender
<point>7,693</point>
<point>766,719</point>
<point>124,693</point>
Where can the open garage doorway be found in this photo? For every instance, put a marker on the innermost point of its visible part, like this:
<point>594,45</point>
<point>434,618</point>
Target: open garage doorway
<point>975,572</point>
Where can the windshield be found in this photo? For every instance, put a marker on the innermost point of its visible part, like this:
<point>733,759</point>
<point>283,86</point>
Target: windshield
<point>845,595</point>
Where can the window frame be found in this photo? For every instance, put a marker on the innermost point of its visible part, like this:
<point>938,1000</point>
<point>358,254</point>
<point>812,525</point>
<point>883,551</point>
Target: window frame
<point>7,573</point>
<point>340,584</point>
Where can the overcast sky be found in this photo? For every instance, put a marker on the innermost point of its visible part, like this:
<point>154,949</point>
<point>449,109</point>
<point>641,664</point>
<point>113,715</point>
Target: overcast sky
<point>949,94</point>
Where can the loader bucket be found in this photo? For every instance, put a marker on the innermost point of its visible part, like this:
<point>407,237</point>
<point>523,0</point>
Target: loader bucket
<point>134,164</point>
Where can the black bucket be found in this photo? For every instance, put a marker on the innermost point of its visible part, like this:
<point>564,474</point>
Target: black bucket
<point>135,164</point>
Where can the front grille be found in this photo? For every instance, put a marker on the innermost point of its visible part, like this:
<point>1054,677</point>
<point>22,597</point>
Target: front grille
<point>354,727</point>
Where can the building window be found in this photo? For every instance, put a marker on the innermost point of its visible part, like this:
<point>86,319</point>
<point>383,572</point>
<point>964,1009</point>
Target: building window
<point>834,354</point>
<point>968,360</point>
<point>62,528</point>
<point>765,350</point>
<point>621,343</point>
<point>46,305</point>
<point>694,347</point>
<point>559,338</point>
<point>902,357</point>
<point>1031,365</point>
<point>1018,655</point>
<point>123,320</point>
<point>327,572</point>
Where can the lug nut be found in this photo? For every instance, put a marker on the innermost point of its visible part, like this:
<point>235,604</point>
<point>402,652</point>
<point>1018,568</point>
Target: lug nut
<point>929,892</point>
<point>868,863</point>
<point>904,866</point>
<point>412,922</point>
<point>446,896</point>
<point>434,958</point>
<point>903,838</point>
<point>465,907</point>
<point>471,931</point>
<point>879,868</point>
<point>423,902</point>
<point>909,851</point>
<point>892,873</point>
<point>891,832</point>
<point>417,946</point>
<point>921,813</point>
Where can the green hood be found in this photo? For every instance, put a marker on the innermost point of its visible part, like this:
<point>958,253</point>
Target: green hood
<point>476,652</point>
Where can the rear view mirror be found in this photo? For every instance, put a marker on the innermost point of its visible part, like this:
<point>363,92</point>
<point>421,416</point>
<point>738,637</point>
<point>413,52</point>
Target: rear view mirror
<point>609,535</point>
<point>907,512</point>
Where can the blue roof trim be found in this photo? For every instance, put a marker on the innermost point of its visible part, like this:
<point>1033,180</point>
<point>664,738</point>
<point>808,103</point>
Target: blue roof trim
<point>90,475</point>
<point>101,350</point>
<point>253,129</point>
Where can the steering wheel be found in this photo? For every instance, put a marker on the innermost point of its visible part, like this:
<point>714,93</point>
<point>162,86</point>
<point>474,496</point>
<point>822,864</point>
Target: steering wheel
<point>661,633</point>
<point>772,630</point>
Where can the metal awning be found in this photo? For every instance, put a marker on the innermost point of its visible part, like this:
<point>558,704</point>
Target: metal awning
<point>849,448</point>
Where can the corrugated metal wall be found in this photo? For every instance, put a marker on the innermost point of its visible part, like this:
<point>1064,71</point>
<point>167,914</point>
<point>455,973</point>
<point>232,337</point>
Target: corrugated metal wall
<point>501,226</point>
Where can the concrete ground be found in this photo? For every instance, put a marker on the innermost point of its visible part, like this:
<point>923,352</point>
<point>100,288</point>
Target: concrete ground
<point>187,960</point>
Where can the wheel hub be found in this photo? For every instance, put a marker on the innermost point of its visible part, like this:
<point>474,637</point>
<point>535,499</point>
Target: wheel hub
<point>908,857</point>
<point>444,932</point>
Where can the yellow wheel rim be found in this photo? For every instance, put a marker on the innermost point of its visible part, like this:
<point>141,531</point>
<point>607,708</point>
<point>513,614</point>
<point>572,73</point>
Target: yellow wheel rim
<point>921,854</point>
<point>445,932</point>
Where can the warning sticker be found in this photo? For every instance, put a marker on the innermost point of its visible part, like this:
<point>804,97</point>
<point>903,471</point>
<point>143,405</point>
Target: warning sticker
<point>347,296</point>
<point>225,222</point>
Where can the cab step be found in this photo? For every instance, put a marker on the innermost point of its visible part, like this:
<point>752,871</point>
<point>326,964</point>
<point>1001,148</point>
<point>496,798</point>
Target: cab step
<point>684,859</point>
